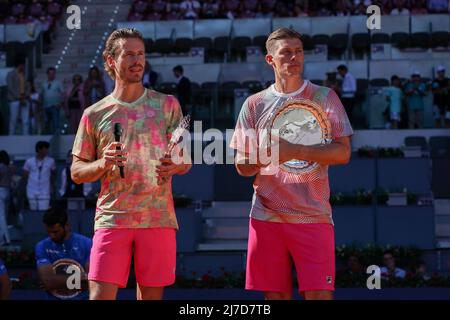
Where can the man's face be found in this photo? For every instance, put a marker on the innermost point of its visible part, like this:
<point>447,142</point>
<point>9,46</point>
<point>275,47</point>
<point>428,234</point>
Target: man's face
<point>396,82</point>
<point>353,263</point>
<point>441,74</point>
<point>287,58</point>
<point>416,79</point>
<point>389,261</point>
<point>342,72</point>
<point>20,68</point>
<point>56,232</point>
<point>130,60</point>
<point>43,152</point>
<point>51,74</point>
<point>176,74</point>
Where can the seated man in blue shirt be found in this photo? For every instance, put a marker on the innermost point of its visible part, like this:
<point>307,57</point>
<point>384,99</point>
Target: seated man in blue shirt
<point>5,284</point>
<point>63,258</point>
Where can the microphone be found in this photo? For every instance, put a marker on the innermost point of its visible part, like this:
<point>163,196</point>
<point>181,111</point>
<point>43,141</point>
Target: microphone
<point>117,134</point>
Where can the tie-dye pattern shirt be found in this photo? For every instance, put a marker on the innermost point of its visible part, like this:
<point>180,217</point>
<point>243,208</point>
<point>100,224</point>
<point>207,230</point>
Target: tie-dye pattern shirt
<point>135,201</point>
<point>284,196</point>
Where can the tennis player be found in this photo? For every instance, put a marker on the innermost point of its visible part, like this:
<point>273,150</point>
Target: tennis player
<point>290,218</point>
<point>135,214</point>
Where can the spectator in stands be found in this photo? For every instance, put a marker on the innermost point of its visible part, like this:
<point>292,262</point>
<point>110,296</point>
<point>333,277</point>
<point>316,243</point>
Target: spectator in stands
<point>94,87</point>
<point>5,283</point>
<point>384,5</point>
<point>150,77</point>
<point>173,5</point>
<point>52,95</point>
<point>419,7</point>
<point>18,94</point>
<point>173,11</point>
<point>68,187</point>
<point>325,8</point>
<point>348,90</point>
<point>441,96</point>
<point>360,9</point>
<point>342,8</point>
<point>6,173</point>
<point>276,237</point>
<point>159,6</point>
<point>36,114</point>
<point>421,271</point>
<point>281,10</point>
<point>354,266</point>
<point>190,9</point>
<point>135,16</point>
<point>438,6</point>
<point>53,8</point>
<point>39,172</point>
<point>415,90</point>
<point>36,9</point>
<point>210,9</point>
<point>74,103</point>
<point>394,96</point>
<point>389,270</point>
<point>400,8</point>
<point>332,82</point>
<point>299,11</point>
<point>225,12</point>
<point>183,89</point>
<point>63,247</point>
<point>245,12</point>
<point>264,11</point>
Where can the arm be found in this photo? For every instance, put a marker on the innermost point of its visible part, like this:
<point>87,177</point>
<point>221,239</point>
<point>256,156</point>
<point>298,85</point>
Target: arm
<point>337,152</point>
<point>5,286</point>
<point>244,167</point>
<point>62,190</point>
<point>26,171</point>
<point>83,171</point>
<point>168,168</point>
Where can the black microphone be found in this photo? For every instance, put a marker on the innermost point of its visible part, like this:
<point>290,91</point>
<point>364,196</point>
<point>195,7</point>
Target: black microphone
<point>117,134</point>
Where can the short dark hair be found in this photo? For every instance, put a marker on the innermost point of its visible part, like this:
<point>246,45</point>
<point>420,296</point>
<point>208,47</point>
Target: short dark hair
<point>394,77</point>
<point>342,67</point>
<point>56,214</point>
<point>388,252</point>
<point>280,34</point>
<point>178,68</point>
<point>4,157</point>
<point>50,69</point>
<point>42,145</point>
<point>18,62</point>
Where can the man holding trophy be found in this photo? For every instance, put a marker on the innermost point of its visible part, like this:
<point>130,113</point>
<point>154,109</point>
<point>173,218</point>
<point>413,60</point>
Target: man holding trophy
<point>306,129</point>
<point>123,140</point>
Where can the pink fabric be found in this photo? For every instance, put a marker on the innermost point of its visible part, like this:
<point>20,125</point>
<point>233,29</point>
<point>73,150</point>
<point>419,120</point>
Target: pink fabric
<point>272,245</point>
<point>154,256</point>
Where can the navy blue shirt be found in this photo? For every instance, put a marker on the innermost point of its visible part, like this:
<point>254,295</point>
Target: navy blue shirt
<point>77,247</point>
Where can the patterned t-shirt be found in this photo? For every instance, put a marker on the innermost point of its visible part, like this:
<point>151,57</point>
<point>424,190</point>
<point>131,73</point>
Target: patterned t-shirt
<point>135,201</point>
<point>285,196</point>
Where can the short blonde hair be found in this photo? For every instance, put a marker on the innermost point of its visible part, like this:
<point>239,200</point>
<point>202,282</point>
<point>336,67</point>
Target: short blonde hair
<point>112,45</point>
<point>279,34</point>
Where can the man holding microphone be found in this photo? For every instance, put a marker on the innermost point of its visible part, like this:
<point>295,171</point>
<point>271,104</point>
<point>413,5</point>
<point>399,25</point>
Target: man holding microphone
<point>135,211</point>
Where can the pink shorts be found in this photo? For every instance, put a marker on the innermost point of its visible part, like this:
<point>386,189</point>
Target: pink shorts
<point>154,256</point>
<point>273,246</point>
